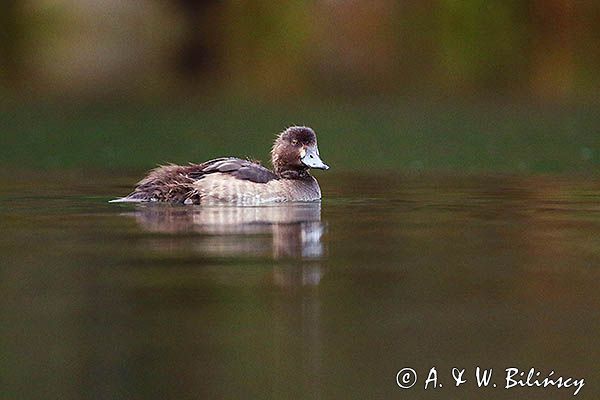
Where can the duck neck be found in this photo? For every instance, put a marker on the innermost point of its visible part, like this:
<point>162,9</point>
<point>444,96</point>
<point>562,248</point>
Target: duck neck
<point>289,172</point>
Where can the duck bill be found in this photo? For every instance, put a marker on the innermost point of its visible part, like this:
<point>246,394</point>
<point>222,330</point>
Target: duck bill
<point>311,158</point>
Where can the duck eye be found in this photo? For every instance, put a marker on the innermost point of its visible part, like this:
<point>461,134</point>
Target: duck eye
<point>294,142</point>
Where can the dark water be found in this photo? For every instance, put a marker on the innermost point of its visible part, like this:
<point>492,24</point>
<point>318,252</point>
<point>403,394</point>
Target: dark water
<point>308,301</point>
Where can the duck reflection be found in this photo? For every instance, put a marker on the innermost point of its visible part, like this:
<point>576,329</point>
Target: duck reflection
<point>291,232</point>
<point>228,247</point>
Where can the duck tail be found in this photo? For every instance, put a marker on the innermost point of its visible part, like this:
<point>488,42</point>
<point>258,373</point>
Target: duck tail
<point>168,183</point>
<point>127,199</point>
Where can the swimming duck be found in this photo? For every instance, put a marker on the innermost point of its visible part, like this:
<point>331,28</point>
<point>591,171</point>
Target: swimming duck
<point>236,181</point>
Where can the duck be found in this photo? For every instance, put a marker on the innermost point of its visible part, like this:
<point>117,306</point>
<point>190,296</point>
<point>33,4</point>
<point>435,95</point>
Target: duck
<point>231,180</point>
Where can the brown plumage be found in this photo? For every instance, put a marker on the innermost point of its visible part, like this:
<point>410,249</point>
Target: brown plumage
<point>236,181</point>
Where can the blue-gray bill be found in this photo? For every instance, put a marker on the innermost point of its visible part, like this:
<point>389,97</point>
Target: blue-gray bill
<point>311,158</point>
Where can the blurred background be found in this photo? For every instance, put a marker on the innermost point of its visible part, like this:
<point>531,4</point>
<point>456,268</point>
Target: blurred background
<point>411,85</point>
<point>459,225</point>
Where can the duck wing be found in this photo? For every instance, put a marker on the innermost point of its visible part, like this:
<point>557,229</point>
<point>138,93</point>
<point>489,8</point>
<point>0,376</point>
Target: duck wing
<point>236,167</point>
<point>174,183</point>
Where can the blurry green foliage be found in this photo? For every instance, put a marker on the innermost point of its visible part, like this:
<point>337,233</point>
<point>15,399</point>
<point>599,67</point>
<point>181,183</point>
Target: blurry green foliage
<point>534,48</point>
<point>483,43</point>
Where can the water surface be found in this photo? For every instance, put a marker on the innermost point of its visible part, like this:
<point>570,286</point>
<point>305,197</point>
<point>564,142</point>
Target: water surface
<point>324,300</point>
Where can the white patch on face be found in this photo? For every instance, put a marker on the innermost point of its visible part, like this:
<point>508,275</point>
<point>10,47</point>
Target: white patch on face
<point>303,152</point>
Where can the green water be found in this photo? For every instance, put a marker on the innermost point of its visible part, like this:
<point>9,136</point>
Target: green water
<point>307,301</point>
<point>399,136</point>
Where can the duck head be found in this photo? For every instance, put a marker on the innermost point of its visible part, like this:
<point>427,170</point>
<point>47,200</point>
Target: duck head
<point>295,151</point>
